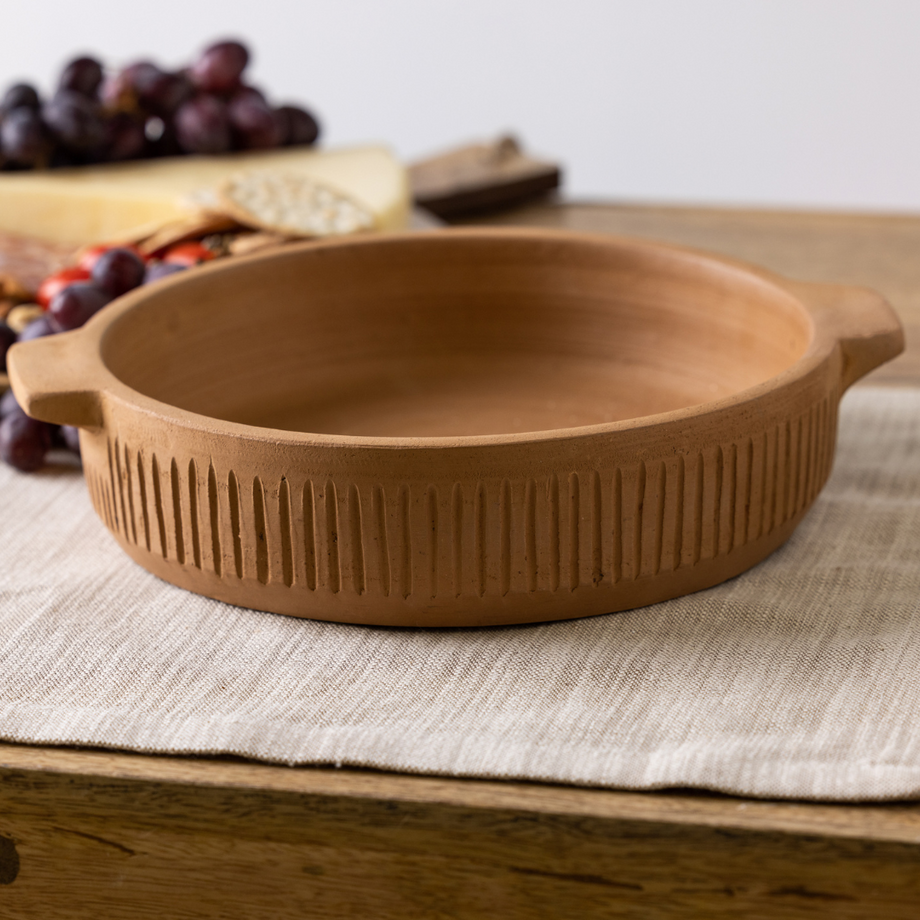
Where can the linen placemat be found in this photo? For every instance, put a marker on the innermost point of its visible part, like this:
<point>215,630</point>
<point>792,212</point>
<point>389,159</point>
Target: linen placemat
<point>800,678</point>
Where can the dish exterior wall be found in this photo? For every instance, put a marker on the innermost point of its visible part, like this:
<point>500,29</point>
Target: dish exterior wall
<point>489,534</point>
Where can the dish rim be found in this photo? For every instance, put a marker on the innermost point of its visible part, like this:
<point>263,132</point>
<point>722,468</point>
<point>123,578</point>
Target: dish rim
<point>89,342</point>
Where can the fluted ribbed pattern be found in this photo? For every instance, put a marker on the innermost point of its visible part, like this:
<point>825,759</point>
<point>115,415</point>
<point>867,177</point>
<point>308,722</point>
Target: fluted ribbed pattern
<point>564,531</point>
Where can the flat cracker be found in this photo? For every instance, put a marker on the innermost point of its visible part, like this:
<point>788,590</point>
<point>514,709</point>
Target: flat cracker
<point>293,205</point>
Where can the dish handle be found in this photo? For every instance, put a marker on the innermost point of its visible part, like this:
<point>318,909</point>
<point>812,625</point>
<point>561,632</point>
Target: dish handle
<point>53,382</point>
<point>861,321</point>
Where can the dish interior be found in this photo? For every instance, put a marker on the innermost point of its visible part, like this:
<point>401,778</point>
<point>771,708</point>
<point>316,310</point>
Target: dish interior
<point>442,335</point>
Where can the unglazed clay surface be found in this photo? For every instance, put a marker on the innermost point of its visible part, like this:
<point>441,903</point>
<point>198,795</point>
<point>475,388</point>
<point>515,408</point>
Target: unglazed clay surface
<point>459,428</point>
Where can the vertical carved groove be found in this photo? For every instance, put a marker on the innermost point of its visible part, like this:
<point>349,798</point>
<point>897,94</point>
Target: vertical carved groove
<point>142,483</point>
<point>108,447</point>
<point>106,507</point>
<point>757,525</point>
<point>175,488</point>
<point>505,527</point>
<point>383,550</point>
<point>287,540</point>
<point>121,489</point>
<point>308,507</point>
<point>107,503</point>
<point>193,512</point>
<point>617,525</point>
<point>826,441</point>
<point>717,501</point>
<point>214,516</point>
<point>480,534</point>
<point>746,484</point>
<point>333,570</point>
<point>456,542</point>
<point>530,534</point>
<point>405,543</point>
<point>791,470</point>
<point>432,515</point>
<point>234,496</point>
<point>574,526</point>
<point>731,494</point>
<point>639,512</point>
<point>555,562</point>
<point>261,534</point>
<point>158,503</point>
<point>773,481</point>
<point>91,485</point>
<point>99,501</point>
<point>797,467</point>
<point>356,535</point>
<point>597,537</point>
<point>661,489</point>
<point>820,431</point>
<point>679,512</point>
<point>130,488</point>
<point>698,511</point>
<point>812,450</point>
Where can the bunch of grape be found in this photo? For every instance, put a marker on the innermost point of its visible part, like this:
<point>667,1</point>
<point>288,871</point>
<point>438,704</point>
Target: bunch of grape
<point>70,297</point>
<point>142,111</point>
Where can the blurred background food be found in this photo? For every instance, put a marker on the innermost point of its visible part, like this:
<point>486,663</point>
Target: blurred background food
<point>769,102</point>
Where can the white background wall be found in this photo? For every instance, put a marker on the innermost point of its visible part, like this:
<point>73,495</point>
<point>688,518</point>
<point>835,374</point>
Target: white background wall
<point>777,102</point>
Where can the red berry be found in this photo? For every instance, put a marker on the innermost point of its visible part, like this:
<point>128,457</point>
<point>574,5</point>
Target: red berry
<point>54,284</point>
<point>188,254</point>
<point>90,256</point>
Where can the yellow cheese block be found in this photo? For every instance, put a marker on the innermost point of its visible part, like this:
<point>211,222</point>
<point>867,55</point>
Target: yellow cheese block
<point>98,203</point>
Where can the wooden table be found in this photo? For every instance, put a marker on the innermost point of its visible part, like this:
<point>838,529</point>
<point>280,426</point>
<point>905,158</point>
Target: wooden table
<point>96,834</point>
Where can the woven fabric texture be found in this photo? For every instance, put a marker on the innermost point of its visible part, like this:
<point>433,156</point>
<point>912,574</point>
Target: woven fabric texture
<point>800,679</point>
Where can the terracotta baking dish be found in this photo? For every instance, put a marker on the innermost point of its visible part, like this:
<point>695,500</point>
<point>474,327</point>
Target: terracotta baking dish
<point>458,428</point>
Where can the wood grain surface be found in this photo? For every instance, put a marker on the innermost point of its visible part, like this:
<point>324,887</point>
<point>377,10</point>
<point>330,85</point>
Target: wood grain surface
<point>107,834</point>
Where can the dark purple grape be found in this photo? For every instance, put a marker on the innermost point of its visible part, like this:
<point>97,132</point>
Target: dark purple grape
<point>7,339</point>
<point>298,125</point>
<point>117,91</point>
<point>72,307</point>
<point>20,96</point>
<point>250,92</point>
<point>157,270</point>
<point>9,404</point>
<point>24,442</point>
<point>82,75</point>
<point>252,122</point>
<point>23,140</point>
<point>163,93</point>
<point>61,158</point>
<point>163,142</point>
<point>143,83</point>
<point>75,121</point>
<point>37,329</point>
<point>71,438</point>
<point>118,271</point>
<point>219,68</point>
<point>125,137</point>
<point>203,126</point>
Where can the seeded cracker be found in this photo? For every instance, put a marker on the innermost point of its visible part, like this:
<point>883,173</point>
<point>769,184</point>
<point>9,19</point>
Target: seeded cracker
<point>292,204</point>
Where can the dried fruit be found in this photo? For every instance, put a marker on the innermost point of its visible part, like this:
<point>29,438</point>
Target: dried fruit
<point>20,316</point>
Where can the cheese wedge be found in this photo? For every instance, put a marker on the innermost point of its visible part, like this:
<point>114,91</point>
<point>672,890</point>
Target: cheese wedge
<point>99,203</point>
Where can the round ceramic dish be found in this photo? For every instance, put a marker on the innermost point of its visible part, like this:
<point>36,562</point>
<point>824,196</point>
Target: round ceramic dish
<point>458,428</point>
